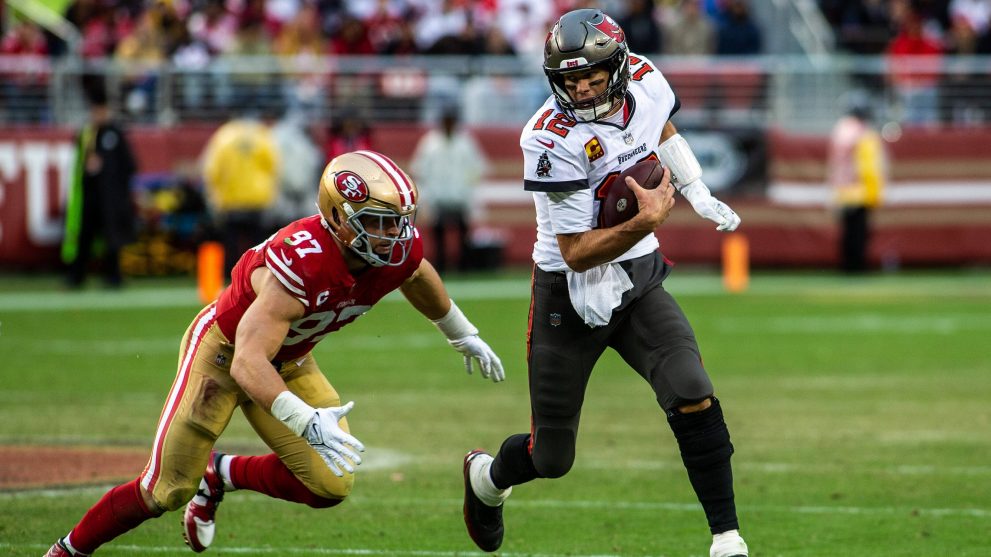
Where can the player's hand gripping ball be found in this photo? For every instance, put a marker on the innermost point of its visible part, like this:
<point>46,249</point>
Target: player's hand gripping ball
<point>620,203</point>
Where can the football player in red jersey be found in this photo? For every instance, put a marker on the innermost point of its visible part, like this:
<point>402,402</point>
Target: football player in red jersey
<point>251,349</point>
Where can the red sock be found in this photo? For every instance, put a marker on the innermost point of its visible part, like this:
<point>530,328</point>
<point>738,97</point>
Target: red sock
<point>267,474</point>
<point>119,511</point>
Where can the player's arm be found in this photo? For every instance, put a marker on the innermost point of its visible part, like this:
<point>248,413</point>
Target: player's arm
<point>687,179</point>
<point>260,334</point>
<point>425,291</point>
<point>584,250</point>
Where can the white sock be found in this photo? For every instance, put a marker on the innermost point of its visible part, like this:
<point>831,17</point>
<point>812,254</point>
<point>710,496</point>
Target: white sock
<point>225,472</point>
<point>726,534</point>
<point>199,499</point>
<point>68,545</point>
<point>728,543</point>
<point>483,486</point>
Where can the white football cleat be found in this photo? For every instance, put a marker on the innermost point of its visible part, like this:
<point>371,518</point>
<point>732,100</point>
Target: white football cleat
<point>728,544</point>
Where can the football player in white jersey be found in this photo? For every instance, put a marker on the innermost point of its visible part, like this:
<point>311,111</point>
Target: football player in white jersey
<point>596,286</point>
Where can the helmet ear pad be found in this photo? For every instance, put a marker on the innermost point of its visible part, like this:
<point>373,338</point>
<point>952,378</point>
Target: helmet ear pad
<point>341,228</point>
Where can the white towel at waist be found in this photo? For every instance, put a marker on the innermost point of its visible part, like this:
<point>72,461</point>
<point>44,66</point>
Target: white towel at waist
<point>597,291</point>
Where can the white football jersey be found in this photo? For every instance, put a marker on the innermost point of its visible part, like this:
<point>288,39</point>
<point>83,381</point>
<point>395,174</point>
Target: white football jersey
<point>569,165</point>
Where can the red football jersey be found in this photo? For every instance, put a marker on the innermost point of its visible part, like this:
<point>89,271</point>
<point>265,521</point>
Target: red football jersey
<point>305,259</point>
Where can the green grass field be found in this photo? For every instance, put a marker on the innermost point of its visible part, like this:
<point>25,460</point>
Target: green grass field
<point>859,409</point>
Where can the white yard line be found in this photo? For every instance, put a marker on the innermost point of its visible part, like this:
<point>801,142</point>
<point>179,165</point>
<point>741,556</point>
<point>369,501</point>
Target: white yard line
<point>170,344</point>
<point>603,505</point>
<point>791,468</point>
<point>688,283</point>
<point>282,550</point>
<point>939,323</point>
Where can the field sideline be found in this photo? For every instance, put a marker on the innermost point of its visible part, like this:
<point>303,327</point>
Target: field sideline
<point>858,407</point>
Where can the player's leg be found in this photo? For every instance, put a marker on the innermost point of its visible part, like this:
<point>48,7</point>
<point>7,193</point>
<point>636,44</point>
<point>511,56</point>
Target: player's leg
<point>658,342</point>
<point>122,509</point>
<point>561,353</point>
<point>294,471</point>
<point>197,409</point>
<point>268,474</point>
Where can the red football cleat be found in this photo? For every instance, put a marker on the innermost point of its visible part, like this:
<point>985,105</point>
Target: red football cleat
<point>60,550</point>
<point>198,526</point>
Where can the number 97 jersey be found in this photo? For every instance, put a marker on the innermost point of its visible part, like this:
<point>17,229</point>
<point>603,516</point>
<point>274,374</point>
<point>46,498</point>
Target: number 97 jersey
<point>305,259</point>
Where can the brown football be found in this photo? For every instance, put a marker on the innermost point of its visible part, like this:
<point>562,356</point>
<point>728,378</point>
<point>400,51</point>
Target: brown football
<point>619,204</point>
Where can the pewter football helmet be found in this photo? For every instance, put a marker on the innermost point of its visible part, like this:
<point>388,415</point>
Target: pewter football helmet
<point>582,40</point>
<point>362,185</point>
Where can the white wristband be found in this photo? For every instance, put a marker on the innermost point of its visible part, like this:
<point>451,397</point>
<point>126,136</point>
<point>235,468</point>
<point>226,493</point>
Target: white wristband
<point>292,411</point>
<point>695,192</point>
<point>678,156</point>
<point>455,325</point>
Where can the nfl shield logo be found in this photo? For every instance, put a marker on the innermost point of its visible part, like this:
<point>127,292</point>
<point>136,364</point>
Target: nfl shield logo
<point>555,319</point>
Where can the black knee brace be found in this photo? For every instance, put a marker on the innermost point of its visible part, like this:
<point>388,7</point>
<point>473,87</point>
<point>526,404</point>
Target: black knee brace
<point>682,381</point>
<point>553,451</point>
<point>706,449</point>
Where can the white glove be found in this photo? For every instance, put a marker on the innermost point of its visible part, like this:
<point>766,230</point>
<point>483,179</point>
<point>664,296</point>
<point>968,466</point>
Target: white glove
<point>463,336</point>
<point>333,444</point>
<point>709,207</point>
<point>474,348</point>
<point>320,428</point>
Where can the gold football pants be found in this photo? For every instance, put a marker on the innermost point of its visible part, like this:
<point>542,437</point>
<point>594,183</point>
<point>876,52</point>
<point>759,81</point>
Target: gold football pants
<point>200,405</point>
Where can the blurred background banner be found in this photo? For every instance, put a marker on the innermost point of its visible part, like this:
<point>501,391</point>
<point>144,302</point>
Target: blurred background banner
<point>761,85</point>
<point>937,211</point>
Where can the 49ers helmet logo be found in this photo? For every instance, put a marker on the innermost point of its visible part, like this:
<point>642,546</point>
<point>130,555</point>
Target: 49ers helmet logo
<point>609,27</point>
<point>351,186</point>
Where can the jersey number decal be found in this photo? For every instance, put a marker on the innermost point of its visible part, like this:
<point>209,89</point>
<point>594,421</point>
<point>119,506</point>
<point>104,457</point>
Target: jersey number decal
<point>304,236</point>
<point>308,328</point>
<point>642,70</point>
<point>560,124</point>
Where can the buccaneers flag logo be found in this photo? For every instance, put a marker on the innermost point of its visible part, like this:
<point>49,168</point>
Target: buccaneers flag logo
<point>609,27</point>
<point>544,166</point>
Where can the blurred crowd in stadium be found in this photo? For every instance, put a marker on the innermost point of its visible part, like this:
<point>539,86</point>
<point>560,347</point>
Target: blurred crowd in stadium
<point>290,43</point>
<point>191,32</point>
<point>339,75</point>
<point>910,26</point>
